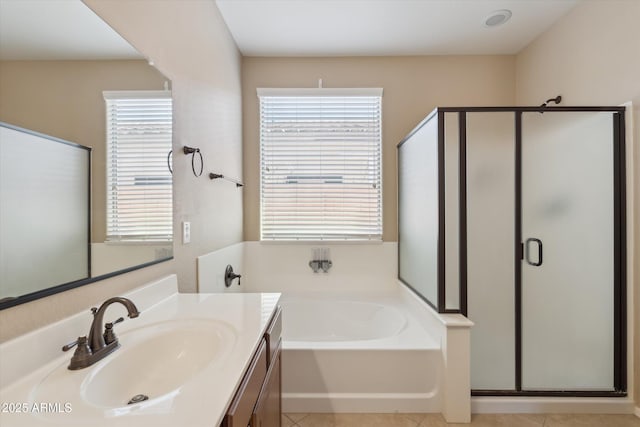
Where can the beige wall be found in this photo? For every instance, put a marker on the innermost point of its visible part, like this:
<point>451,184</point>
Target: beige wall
<point>413,86</point>
<point>592,57</point>
<point>64,99</point>
<point>189,43</point>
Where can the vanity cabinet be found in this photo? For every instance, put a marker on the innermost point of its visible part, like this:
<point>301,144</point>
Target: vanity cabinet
<point>258,401</point>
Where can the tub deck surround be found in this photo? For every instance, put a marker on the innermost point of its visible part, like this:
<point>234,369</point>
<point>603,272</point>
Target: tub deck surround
<point>200,401</point>
<point>284,267</point>
<point>453,332</point>
<point>211,269</point>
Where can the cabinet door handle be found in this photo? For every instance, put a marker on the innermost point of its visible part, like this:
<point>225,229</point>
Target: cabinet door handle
<point>527,247</point>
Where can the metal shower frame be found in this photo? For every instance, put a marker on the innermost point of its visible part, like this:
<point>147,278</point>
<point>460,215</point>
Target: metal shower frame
<point>619,236</point>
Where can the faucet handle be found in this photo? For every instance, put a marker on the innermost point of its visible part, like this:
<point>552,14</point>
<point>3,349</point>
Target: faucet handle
<point>82,353</point>
<point>69,346</point>
<point>81,342</point>
<point>326,265</point>
<point>110,324</point>
<point>315,265</point>
<point>108,335</point>
<point>94,310</point>
<point>230,276</point>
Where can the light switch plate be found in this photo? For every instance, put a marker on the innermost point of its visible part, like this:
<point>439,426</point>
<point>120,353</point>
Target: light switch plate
<point>186,232</point>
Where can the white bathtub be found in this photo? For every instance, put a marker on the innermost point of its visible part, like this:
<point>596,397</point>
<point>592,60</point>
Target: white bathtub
<point>330,320</point>
<point>357,353</point>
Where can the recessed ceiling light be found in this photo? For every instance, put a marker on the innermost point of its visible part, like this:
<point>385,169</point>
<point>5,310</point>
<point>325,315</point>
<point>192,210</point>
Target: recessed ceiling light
<point>497,18</point>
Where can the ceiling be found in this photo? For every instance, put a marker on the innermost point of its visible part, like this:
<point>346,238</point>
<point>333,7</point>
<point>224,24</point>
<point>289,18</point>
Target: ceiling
<point>57,30</point>
<point>385,27</point>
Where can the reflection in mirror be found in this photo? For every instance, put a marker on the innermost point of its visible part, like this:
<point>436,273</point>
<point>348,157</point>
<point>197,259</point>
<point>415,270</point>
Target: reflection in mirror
<point>42,249</point>
<point>72,86</point>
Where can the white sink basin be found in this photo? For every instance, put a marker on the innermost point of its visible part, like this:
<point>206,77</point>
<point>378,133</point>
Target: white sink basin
<point>155,360</point>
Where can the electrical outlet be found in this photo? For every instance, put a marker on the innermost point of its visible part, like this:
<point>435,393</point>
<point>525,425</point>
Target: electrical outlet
<point>186,232</point>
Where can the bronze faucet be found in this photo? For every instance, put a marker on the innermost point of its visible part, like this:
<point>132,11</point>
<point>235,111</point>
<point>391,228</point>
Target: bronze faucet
<point>99,344</point>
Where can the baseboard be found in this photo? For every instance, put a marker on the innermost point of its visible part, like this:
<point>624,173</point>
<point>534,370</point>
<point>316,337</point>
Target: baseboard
<point>523,405</point>
<point>360,403</point>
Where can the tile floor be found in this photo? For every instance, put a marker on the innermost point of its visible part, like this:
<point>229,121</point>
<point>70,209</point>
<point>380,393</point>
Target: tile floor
<point>436,420</point>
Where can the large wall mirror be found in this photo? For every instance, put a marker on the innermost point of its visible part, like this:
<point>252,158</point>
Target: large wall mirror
<point>85,141</point>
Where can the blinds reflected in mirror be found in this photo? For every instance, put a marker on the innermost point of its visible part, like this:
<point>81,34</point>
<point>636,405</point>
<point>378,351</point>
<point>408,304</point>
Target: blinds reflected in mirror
<point>139,186</point>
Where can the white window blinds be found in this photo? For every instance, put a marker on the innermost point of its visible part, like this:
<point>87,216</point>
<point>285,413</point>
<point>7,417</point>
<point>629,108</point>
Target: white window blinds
<point>139,205</point>
<point>321,164</point>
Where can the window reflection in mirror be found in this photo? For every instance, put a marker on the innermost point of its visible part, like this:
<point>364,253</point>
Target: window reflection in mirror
<point>57,87</point>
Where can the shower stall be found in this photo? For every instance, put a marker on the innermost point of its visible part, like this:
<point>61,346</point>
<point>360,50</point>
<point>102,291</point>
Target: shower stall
<point>515,217</point>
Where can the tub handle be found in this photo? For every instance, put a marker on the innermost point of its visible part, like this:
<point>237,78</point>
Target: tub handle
<point>230,276</point>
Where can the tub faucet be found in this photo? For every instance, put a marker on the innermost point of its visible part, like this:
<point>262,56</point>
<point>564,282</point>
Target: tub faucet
<point>320,260</point>
<point>100,343</point>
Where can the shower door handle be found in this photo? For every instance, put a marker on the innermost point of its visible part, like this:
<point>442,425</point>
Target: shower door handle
<point>527,247</point>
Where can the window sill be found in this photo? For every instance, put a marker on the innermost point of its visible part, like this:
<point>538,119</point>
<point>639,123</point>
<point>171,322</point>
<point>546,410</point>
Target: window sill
<point>136,243</point>
<point>322,242</point>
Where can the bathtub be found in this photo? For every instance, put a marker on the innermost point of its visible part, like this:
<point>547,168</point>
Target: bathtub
<point>357,353</point>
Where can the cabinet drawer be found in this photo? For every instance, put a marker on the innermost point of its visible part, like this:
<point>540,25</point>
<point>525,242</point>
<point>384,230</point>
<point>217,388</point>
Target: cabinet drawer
<point>273,334</point>
<point>241,408</point>
<point>268,410</point>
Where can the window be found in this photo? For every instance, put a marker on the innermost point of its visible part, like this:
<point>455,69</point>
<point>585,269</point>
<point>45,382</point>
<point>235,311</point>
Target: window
<point>139,205</point>
<point>321,166</point>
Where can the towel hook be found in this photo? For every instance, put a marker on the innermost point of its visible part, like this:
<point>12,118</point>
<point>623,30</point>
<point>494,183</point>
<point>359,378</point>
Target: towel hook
<point>193,150</point>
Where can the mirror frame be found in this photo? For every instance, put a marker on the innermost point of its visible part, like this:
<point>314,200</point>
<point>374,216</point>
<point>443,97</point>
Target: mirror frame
<point>70,285</point>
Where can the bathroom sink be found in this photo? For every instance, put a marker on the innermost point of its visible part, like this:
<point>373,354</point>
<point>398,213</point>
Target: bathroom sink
<point>153,362</point>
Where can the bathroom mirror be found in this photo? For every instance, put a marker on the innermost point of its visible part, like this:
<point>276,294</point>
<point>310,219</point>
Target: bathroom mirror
<point>60,66</point>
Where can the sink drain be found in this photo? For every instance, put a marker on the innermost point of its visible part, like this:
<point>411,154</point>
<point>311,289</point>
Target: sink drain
<point>138,398</point>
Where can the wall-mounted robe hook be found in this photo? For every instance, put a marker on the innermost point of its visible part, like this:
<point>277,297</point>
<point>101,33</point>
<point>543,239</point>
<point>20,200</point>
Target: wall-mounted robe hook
<point>190,150</point>
<point>193,151</point>
<point>220,176</point>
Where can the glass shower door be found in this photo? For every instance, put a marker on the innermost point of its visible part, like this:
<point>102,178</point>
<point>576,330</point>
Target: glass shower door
<point>568,266</point>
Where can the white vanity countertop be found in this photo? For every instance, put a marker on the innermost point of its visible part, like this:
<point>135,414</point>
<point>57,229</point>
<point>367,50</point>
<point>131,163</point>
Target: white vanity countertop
<point>200,401</point>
